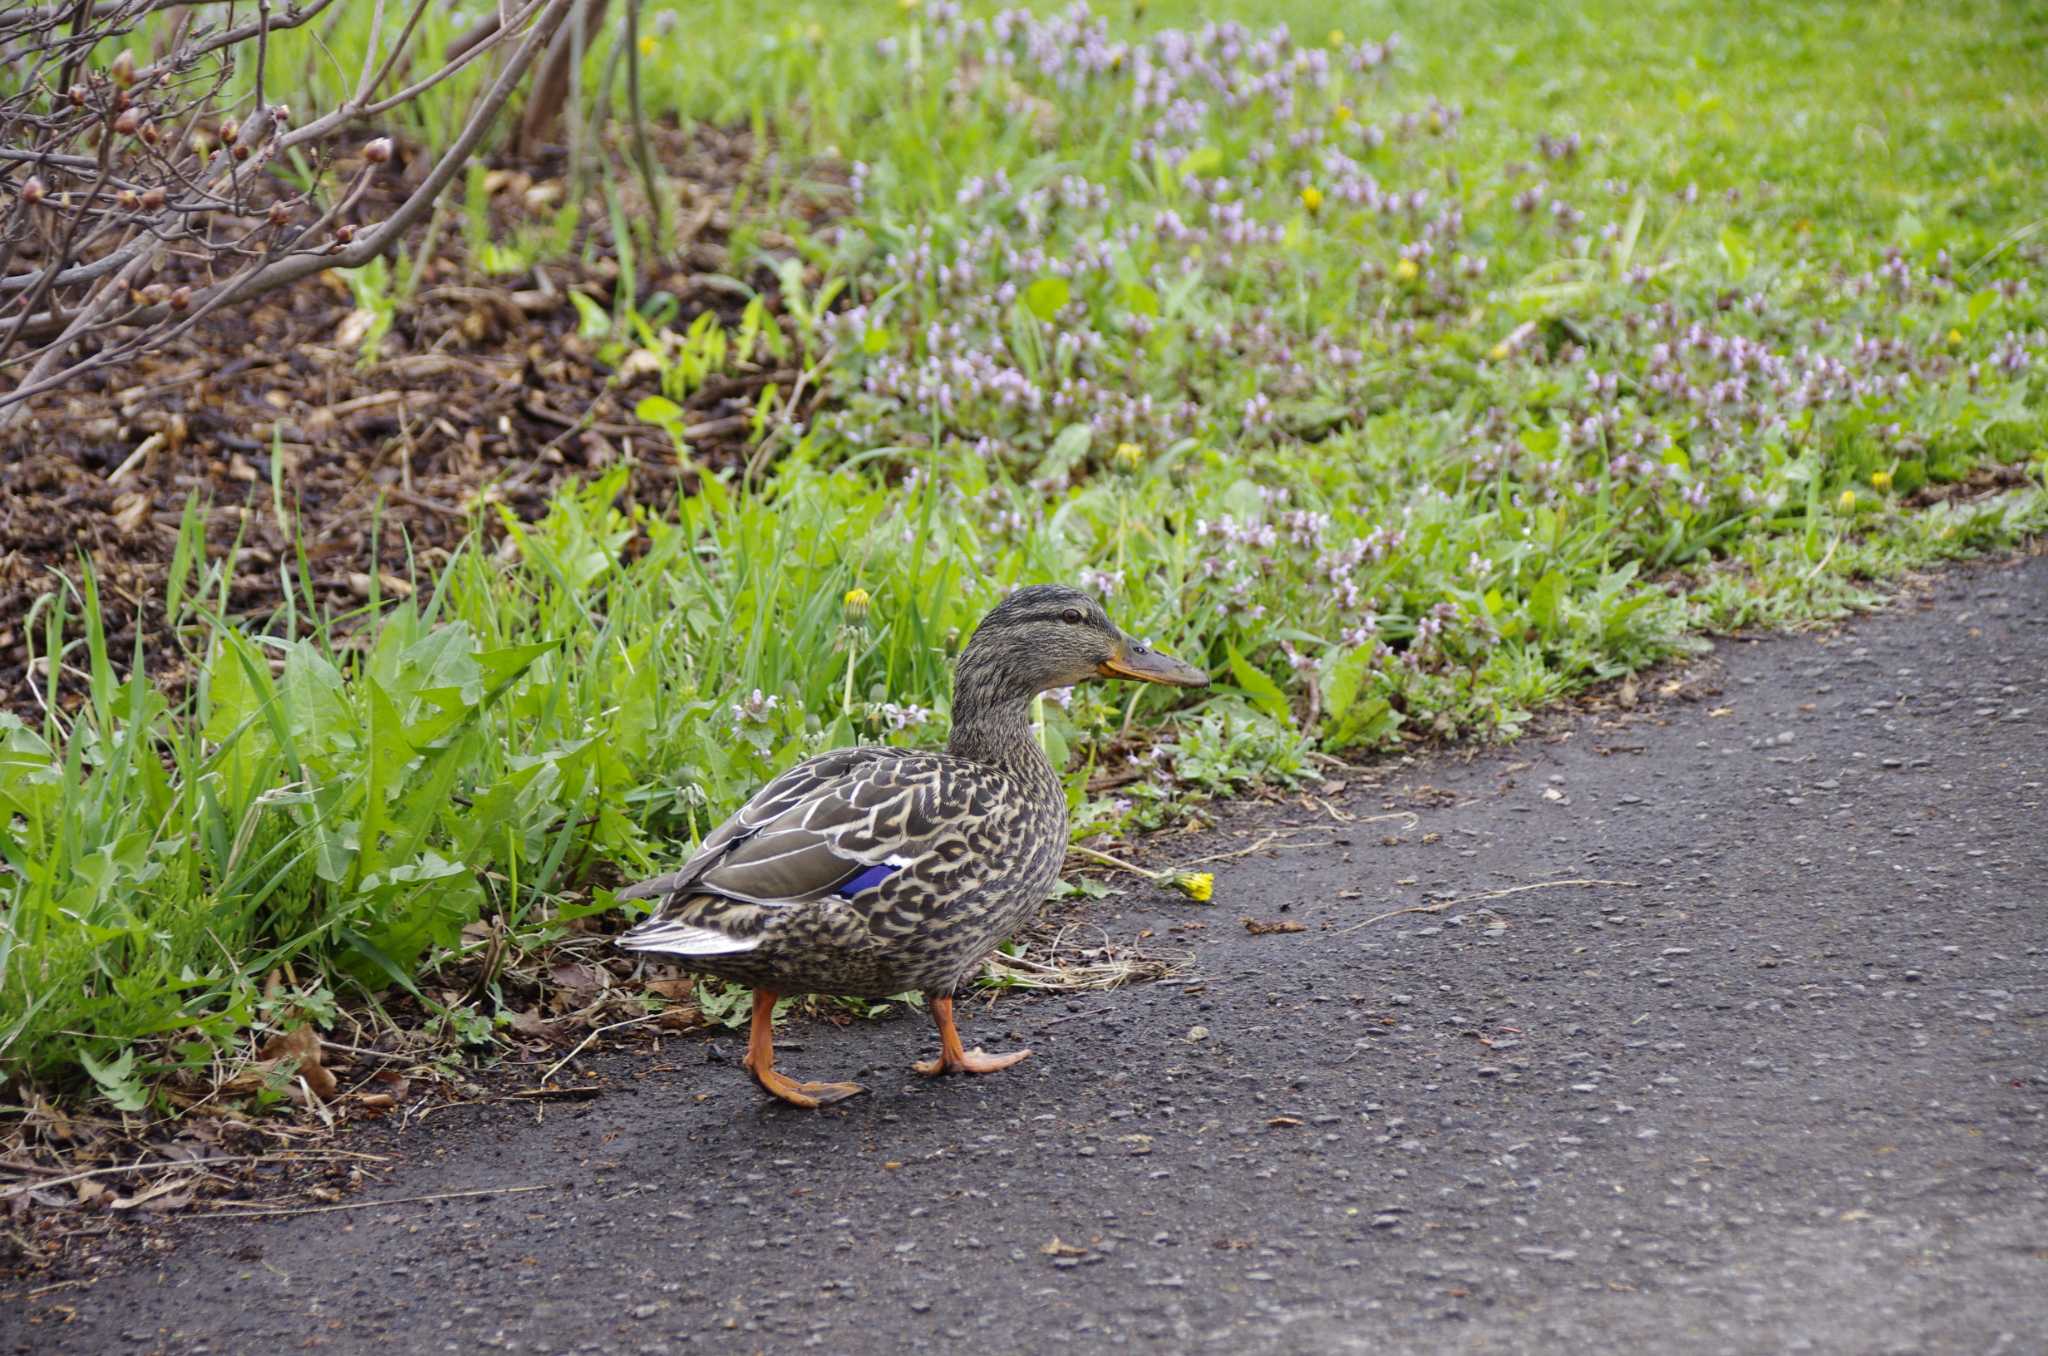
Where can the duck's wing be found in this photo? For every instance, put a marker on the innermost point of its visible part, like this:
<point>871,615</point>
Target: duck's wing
<point>837,825</point>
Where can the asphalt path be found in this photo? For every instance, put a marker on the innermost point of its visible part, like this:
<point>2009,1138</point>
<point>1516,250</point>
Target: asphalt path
<point>1783,1090</point>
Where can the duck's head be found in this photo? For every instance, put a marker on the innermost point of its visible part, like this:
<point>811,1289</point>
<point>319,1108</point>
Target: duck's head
<point>1048,636</point>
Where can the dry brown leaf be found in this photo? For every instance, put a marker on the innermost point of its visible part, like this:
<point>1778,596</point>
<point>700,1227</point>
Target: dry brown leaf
<point>1259,927</point>
<point>529,1024</point>
<point>679,1018</point>
<point>349,333</point>
<point>160,1195</point>
<point>131,511</point>
<point>285,1060</point>
<point>578,977</point>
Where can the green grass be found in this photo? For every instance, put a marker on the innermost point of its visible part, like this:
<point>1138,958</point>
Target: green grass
<point>1386,492</point>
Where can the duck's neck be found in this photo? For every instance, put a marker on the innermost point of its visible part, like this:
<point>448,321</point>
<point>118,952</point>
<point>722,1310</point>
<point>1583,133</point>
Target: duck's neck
<point>992,724</point>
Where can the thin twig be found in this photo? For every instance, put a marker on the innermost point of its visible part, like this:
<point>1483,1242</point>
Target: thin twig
<point>1268,839</point>
<point>630,1021</point>
<point>296,1156</point>
<point>1441,905</point>
<point>371,1205</point>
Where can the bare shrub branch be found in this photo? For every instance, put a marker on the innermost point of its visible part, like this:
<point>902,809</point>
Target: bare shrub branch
<point>138,198</point>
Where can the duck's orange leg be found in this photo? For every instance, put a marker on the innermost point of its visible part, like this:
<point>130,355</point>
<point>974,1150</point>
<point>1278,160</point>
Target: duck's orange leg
<point>760,1062</point>
<point>953,1059</point>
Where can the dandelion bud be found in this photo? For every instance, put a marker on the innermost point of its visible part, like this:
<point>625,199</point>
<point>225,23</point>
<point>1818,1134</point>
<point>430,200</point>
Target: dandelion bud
<point>855,607</point>
<point>344,233</point>
<point>153,199</point>
<point>128,121</point>
<point>123,69</point>
<point>379,151</point>
<point>1847,503</point>
<point>230,130</point>
<point>32,191</point>
<point>1880,481</point>
<point>1199,886</point>
<point>181,298</point>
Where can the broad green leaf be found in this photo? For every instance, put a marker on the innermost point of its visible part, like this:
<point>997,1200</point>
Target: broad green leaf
<point>1544,599</point>
<point>1201,160</point>
<point>1045,297</point>
<point>658,410</point>
<point>231,693</point>
<point>1264,692</point>
<point>1368,723</point>
<point>315,701</point>
<point>118,1080</point>
<point>1343,680</point>
<point>1735,250</point>
<point>592,320</point>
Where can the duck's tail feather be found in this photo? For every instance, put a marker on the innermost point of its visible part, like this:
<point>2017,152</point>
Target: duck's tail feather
<point>683,939</point>
<point>654,887</point>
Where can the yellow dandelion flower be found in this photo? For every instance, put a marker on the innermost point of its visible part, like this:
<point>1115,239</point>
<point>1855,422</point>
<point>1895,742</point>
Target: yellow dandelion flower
<point>1336,37</point>
<point>1312,198</point>
<point>1847,503</point>
<point>1342,113</point>
<point>1196,885</point>
<point>856,606</point>
<point>1881,481</point>
<point>648,46</point>
<point>1954,337</point>
<point>1128,455</point>
<point>1406,270</point>
<point>1499,351</point>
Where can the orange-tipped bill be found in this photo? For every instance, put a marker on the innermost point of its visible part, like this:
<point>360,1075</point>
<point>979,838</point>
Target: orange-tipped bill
<point>1133,660</point>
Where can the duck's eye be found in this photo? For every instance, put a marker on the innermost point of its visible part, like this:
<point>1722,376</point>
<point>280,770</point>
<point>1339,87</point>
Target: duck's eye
<point>1072,616</point>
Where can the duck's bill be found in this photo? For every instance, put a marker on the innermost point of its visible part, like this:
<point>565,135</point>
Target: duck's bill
<point>1150,666</point>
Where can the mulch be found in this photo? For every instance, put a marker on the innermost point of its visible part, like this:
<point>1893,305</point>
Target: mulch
<point>482,396</point>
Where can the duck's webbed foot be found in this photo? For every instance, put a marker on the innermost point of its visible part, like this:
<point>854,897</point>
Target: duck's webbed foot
<point>952,1058</point>
<point>760,1062</point>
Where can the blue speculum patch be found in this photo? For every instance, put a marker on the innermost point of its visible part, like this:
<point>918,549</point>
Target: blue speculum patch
<point>867,878</point>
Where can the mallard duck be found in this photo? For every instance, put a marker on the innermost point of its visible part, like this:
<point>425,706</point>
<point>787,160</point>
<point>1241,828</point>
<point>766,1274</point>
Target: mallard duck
<point>873,871</point>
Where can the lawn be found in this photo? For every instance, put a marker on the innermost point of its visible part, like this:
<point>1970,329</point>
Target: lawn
<point>1412,374</point>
